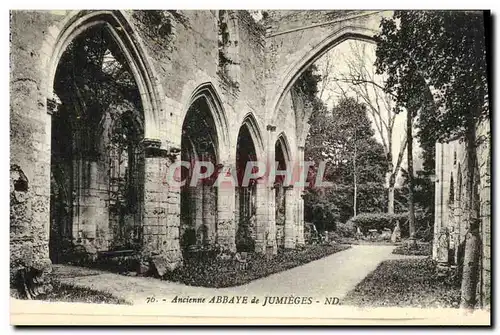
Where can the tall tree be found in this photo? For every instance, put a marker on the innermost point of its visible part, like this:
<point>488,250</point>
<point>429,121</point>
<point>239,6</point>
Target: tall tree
<point>436,67</point>
<point>344,138</point>
<point>358,78</point>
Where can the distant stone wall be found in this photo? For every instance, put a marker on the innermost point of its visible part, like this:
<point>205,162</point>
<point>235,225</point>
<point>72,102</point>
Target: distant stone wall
<point>451,196</point>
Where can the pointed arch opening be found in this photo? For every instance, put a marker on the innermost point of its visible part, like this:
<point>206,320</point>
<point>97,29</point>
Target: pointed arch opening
<point>248,149</point>
<point>200,146</point>
<point>97,164</point>
<point>282,160</point>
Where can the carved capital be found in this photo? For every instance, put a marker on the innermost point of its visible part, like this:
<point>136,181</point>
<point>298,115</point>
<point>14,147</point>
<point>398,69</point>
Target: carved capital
<point>52,106</point>
<point>152,148</point>
<point>271,127</point>
<point>173,153</point>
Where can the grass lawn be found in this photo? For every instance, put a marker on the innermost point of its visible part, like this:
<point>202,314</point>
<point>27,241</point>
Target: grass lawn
<point>68,293</point>
<point>422,249</point>
<point>405,283</point>
<point>219,273</point>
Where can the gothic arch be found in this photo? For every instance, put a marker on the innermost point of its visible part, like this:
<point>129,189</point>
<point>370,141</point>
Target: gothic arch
<point>307,43</point>
<point>315,53</point>
<point>208,93</point>
<point>127,39</point>
<point>253,127</point>
<point>285,146</point>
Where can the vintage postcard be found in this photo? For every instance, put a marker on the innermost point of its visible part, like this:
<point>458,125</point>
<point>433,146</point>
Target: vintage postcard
<point>294,167</point>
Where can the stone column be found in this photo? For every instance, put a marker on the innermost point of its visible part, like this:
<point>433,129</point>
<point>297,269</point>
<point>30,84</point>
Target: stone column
<point>160,235</point>
<point>262,217</point>
<point>290,206</point>
<point>226,210</point>
<point>196,206</point>
<point>300,219</point>
<point>300,200</point>
<point>88,207</point>
<point>271,224</point>
<point>437,200</point>
<point>269,215</point>
<point>210,209</point>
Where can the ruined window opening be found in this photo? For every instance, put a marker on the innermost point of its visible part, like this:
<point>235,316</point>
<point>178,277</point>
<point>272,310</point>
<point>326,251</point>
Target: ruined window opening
<point>280,195</point>
<point>452,191</point>
<point>21,185</point>
<point>229,63</point>
<point>199,202</point>
<point>246,195</point>
<point>100,113</point>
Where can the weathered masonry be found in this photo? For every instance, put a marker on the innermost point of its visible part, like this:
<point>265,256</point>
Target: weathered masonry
<point>451,224</point>
<point>104,102</point>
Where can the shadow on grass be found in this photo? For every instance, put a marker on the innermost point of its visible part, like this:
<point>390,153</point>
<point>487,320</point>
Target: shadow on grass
<point>70,293</point>
<point>405,283</point>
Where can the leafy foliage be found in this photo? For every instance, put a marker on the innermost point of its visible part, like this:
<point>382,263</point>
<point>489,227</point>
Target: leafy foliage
<point>381,221</point>
<point>212,272</point>
<point>437,70</point>
<point>343,138</point>
<point>377,221</point>
<point>327,208</point>
<point>436,63</point>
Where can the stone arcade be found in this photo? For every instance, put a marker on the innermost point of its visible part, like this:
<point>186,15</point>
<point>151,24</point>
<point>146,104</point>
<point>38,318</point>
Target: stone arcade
<point>191,85</point>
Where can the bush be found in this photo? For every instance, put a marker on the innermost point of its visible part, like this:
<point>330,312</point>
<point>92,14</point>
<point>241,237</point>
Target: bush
<point>324,215</point>
<point>346,229</point>
<point>380,221</point>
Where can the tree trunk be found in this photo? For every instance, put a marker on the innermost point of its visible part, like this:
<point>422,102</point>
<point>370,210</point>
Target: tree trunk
<point>389,179</point>
<point>471,268</point>
<point>411,206</point>
<point>392,174</point>
<point>355,202</point>
<point>390,195</point>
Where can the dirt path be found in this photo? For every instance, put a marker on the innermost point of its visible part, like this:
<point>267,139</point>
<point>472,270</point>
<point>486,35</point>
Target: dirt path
<point>334,275</point>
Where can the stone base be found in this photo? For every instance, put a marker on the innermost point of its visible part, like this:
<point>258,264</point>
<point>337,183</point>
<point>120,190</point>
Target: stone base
<point>162,264</point>
<point>33,280</point>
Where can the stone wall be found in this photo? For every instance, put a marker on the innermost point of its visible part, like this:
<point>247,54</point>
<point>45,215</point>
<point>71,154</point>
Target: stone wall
<point>451,196</point>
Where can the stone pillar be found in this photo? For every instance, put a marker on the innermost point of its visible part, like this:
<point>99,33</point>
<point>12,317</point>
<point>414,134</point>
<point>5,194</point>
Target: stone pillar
<point>290,206</point>
<point>438,199</point>
<point>87,204</point>
<point>196,205</point>
<point>300,200</point>
<point>210,209</point>
<point>300,219</point>
<point>226,221</point>
<point>269,212</point>
<point>261,217</point>
<point>271,223</point>
<point>160,235</point>
<point>484,162</point>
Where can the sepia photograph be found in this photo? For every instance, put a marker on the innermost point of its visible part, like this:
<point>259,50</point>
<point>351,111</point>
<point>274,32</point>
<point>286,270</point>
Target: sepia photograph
<point>291,167</point>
